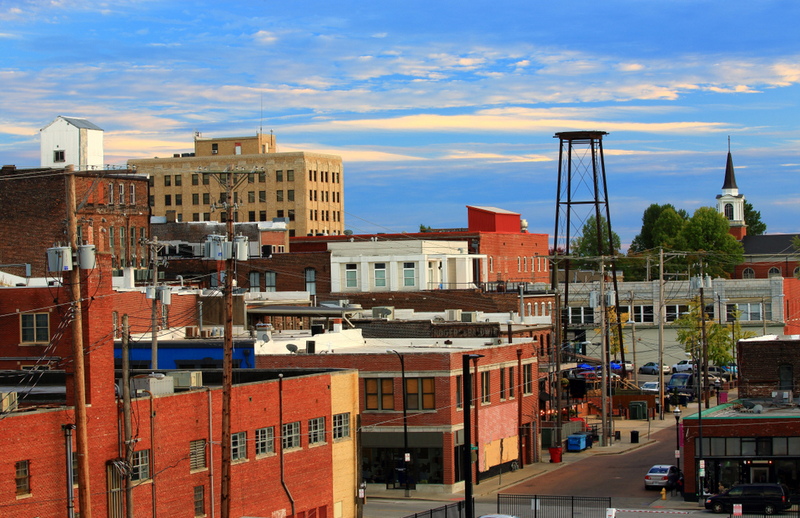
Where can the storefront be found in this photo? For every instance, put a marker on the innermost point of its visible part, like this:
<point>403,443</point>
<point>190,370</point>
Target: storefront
<point>383,459</point>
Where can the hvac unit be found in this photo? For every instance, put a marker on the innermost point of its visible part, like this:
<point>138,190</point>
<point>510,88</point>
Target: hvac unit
<point>8,401</point>
<point>264,332</point>
<point>192,332</point>
<point>205,333</point>
<point>782,397</point>
<point>59,259</point>
<point>187,379</point>
<point>386,312</point>
<point>452,315</point>
<point>469,316</point>
<point>156,384</point>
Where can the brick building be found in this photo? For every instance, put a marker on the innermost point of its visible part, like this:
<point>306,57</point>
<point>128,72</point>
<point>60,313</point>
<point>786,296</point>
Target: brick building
<point>304,188</point>
<point>113,215</point>
<point>288,431</point>
<point>505,388</point>
<point>757,437</point>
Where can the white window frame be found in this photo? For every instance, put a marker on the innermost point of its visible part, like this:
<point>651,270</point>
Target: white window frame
<point>341,426</point>
<point>133,194</point>
<point>380,275</point>
<point>409,281</point>
<point>265,441</point>
<point>110,193</point>
<point>238,446</point>
<point>351,275</point>
<point>40,330</point>
<point>197,454</point>
<point>122,194</point>
<point>316,430</point>
<point>140,467</point>
<point>270,279</point>
<point>290,436</point>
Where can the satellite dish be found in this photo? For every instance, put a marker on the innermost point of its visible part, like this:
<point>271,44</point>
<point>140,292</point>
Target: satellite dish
<point>292,348</point>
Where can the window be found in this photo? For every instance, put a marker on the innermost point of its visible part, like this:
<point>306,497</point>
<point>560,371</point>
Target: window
<point>748,273</point>
<point>511,383</point>
<point>179,199</point>
<point>141,466</point>
<point>502,384</point>
<point>527,378</point>
<point>23,477</point>
<point>195,199</point>
<point>195,216</point>
<point>239,446</point>
<point>255,282</point>
<point>59,156</point>
<point>278,176</point>
<point>409,274</point>
<point>265,441</point>
<point>262,215</point>
<point>316,430</point>
<point>197,454</point>
<point>290,175</point>
<point>380,275</point>
<point>35,327</point>
<point>310,195</point>
<point>379,393</point>
<point>251,177</point>
<point>111,192</point>
<point>199,501</point>
<point>311,281</point>
<point>279,195</point>
<point>168,200</point>
<point>351,275</point>
<point>262,196</point>
<point>420,392</point>
<point>269,282</point>
<point>195,179</point>
<point>774,272</point>
<point>133,194</point>
<point>206,216</point>
<point>729,211</point>
<point>290,436</point>
<point>214,149</point>
<point>206,178</point>
<point>167,180</point>
<point>341,426</point>
<point>459,393</point>
<point>121,194</point>
<point>251,196</point>
<point>485,387</point>
<point>290,194</point>
<point>206,198</point>
<point>291,215</point>
<point>178,181</point>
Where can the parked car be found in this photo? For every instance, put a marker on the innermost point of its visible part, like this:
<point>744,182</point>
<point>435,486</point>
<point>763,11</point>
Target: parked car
<point>683,383</point>
<point>682,366</point>
<point>732,368</point>
<point>652,368</point>
<point>719,372</point>
<point>755,498</point>
<point>650,387</point>
<point>661,475</point>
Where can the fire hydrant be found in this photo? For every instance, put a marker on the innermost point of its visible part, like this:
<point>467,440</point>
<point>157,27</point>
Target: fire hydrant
<point>663,493</point>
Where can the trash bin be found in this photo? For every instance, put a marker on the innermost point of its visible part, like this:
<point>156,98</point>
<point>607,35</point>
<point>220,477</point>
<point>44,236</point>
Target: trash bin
<point>555,454</point>
<point>634,436</point>
<point>617,435</point>
<point>666,404</point>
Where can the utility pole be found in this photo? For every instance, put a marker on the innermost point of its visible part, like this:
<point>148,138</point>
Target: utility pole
<point>661,330</point>
<point>633,340</point>
<point>559,421</point>
<point>155,247</point>
<point>79,380</point>
<point>126,414</point>
<point>704,374</point>
<point>605,437</point>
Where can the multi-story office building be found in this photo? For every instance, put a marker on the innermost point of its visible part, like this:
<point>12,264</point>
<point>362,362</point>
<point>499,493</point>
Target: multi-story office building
<point>304,188</point>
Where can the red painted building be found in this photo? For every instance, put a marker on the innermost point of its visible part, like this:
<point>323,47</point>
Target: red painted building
<point>505,391</point>
<point>288,431</point>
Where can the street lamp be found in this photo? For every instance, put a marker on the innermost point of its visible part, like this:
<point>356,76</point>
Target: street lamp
<point>406,453</point>
<point>677,414</point>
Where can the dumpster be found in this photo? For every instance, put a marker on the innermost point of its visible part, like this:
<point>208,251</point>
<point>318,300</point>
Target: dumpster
<point>555,454</point>
<point>634,436</point>
<point>576,442</point>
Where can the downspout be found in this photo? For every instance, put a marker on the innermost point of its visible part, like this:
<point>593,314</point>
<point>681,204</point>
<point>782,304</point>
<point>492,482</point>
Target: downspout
<point>152,450</point>
<point>70,475</point>
<point>280,413</point>
<point>210,452</point>
<point>519,408</point>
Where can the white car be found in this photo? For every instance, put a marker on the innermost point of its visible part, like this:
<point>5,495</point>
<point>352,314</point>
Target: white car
<point>650,387</point>
<point>683,366</point>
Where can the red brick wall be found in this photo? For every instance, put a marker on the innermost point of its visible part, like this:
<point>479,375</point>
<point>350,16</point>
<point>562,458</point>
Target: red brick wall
<point>759,364</point>
<point>761,269</point>
<point>791,291</point>
<point>440,300</point>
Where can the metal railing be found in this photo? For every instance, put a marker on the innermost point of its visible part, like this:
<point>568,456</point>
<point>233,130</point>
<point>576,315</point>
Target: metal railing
<point>455,510</point>
<point>540,506</point>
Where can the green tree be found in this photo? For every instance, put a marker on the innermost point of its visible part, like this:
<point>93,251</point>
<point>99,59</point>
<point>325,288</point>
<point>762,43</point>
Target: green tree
<point>661,226</point>
<point>585,245</point>
<point>752,218</point>
<point>707,231</point>
<point>646,239</point>
<point>690,334</point>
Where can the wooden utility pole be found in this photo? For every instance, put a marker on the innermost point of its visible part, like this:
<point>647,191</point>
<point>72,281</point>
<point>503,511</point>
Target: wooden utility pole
<point>79,381</point>
<point>126,415</point>
<point>605,437</point>
<point>154,311</point>
<point>661,330</point>
<point>227,361</point>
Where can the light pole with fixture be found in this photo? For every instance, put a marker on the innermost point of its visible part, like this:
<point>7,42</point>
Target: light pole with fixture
<point>677,413</point>
<point>469,510</point>
<point>406,453</point>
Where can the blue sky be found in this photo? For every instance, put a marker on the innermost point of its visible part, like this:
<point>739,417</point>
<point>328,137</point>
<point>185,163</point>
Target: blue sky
<point>432,105</point>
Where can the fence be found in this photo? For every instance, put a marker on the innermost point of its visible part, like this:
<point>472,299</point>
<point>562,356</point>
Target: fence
<point>455,510</point>
<point>535,506</point>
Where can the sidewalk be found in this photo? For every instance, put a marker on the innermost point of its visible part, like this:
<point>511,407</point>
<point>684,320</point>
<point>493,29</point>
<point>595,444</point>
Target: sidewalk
<point>495,484</point>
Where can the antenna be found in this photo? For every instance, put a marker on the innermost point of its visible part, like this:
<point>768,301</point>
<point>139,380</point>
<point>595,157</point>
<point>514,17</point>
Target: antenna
<point>729,143</point>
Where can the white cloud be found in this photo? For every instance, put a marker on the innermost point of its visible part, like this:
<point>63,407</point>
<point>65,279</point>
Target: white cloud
<point>264,37</point>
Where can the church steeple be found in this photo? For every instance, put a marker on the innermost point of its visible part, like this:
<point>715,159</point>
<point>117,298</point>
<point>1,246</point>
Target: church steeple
<point>730,203</point>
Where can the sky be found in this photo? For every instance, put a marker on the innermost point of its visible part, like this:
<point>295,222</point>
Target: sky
<point>433,105</point>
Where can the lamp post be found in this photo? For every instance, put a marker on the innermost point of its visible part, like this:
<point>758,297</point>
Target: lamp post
<point>469,511</point>
<point>677,414</point>
<point>406,453</point>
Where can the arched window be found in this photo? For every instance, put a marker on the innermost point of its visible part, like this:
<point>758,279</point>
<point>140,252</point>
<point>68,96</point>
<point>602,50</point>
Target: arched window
<point>491,264</point>
<point>110,193</point>
<point>774,272</point>
<point>748,273</point>
<point>525,262</point>
<point>311,281</point>
<point>529,310</point>
<point>796,271</point>
<point>519,264</point>
<point>729,211</point>
<point>121,194</point>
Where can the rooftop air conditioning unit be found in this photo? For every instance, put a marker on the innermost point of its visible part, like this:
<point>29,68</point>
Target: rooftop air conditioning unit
<point>155,384</point>
<point>386,312</point>
<point>452,315</point>
<point>782,397</point>
<point>469,316</point>
<point>8,401</point>
<point>187,379</point>
<point>192,332</point>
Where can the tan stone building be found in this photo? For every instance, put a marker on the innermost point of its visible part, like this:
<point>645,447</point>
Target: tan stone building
<point>305,188</point>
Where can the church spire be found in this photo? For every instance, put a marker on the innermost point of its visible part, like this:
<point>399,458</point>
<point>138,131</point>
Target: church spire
<point>730,177</point>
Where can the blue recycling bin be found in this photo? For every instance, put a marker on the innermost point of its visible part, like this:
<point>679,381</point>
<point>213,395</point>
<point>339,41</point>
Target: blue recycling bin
<point>576,442</point>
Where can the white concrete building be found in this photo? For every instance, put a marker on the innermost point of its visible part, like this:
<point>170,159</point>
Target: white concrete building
<point>72,141</point>
<point>413,265</point>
